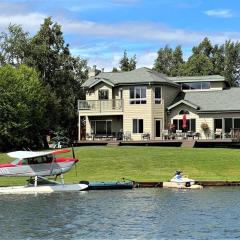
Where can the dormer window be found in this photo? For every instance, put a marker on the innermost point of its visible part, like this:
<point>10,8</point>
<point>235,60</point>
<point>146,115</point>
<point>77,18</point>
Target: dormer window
<point>103,94</point>
<point>183,111</point>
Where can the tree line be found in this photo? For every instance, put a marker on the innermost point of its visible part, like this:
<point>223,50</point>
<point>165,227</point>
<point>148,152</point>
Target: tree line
<point>206,59</point>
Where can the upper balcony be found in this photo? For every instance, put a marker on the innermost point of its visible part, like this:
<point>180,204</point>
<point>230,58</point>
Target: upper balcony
<point>101,107</point>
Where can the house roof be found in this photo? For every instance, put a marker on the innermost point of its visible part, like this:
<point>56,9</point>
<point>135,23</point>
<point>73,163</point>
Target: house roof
<point>211,101</point>
<point>138,76</point>
<point>211,78</point>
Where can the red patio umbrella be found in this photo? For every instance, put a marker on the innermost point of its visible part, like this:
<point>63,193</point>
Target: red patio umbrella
<point>184,121</point>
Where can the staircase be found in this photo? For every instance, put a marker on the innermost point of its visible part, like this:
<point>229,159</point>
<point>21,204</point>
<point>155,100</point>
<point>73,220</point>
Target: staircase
<point>188,143</point>
<point>113,143</point>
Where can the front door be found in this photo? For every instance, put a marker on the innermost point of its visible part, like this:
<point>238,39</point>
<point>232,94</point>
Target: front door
<point>158,127</point>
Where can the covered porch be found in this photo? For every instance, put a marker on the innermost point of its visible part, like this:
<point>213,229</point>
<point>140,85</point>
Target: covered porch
<point>101,128</point>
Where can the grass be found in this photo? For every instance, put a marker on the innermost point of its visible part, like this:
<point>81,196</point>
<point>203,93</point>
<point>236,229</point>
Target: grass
<point>148,164</point>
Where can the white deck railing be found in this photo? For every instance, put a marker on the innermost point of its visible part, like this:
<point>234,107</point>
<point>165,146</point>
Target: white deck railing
<point>100,106</point>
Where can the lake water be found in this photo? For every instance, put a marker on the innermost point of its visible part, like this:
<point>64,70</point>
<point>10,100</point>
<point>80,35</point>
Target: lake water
<point>211,213</point>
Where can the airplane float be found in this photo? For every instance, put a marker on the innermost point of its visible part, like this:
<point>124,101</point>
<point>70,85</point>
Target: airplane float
<point>39,165</point>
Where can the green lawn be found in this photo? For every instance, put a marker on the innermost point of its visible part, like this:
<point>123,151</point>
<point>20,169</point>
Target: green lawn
<point>148,164</point>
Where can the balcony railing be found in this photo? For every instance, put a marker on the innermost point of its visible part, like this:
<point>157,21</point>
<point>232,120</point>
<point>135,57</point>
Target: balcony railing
<point>101,106</point>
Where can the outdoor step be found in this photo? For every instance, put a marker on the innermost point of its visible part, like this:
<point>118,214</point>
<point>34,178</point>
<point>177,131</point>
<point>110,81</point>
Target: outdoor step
<point>113,144</point>
<point>188,143</point>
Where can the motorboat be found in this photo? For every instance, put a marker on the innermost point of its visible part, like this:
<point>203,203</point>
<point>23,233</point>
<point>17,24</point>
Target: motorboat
<point>182,181</point>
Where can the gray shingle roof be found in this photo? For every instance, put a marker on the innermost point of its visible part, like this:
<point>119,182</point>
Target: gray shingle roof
<point>212,78</point>
<point>138,76</point>
<point>224,100</point>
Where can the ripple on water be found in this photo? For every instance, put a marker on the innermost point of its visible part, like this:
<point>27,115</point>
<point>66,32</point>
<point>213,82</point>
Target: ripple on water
<point>128,214</point>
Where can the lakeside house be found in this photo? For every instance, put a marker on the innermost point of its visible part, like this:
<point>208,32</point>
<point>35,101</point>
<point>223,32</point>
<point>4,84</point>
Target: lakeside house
<point>146,104</point>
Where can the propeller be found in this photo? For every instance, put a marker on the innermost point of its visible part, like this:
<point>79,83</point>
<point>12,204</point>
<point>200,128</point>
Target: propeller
<point>73,153</point>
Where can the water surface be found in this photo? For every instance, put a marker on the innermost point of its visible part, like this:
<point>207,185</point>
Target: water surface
<point>125,214</point>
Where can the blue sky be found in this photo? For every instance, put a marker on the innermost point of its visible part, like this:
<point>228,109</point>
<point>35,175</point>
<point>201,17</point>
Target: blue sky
<point>100,30</point>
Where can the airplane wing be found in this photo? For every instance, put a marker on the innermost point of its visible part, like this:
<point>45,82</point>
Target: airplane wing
<point>30,154</point>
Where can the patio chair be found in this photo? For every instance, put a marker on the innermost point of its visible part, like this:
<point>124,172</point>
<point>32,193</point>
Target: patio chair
<point>89,136</point>
<point>179,134</point>
<point>127,136</point>
<point>218,133</point>
<point>146,136</point>
<point>165,134</point>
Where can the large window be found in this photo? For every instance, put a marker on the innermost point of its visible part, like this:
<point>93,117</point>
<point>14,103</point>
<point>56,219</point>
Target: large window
<point>101,127</point>
<point>191,124</point>
<point>137,125</point>
<point>158,95</point>
<point>138,95</point>
<point>195,85</point>
<point>103,94</point>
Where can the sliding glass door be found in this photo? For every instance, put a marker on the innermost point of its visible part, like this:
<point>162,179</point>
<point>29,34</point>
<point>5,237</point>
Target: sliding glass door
<point>101,127</point>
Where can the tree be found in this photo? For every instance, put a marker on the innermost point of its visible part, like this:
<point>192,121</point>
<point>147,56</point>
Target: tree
<point>14,45</point>
<point>198,65</point>
<point>23,100</point>
<point>115,69</point>
<point>232,62</point>
<point>169,61</point>
<point>205,48</point>
<point>127,64</point>
<point>62,72</point>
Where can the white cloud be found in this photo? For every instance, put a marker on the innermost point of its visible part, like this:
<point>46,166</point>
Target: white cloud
<point>144,31</point>
<point>30,22</point>
<point>224,13</point>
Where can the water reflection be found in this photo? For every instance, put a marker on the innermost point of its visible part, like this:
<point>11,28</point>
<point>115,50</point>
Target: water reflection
<point>140,213</point>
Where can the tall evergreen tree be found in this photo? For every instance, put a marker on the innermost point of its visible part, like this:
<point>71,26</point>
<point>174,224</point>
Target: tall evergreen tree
<point>169,61</point>
<point>126,64</point>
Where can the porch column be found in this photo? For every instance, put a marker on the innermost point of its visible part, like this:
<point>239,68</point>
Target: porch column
<point>79,126</point>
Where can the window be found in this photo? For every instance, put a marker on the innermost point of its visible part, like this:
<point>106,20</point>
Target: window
<point>191,124</point>
<point>183,111</point>
<point>218,123</point>
<point>103,94</point>
<point>101,127</point>
<point>157,95</point>
<point>138,95</point>
<point>195,85</point>
<point>137,125</point>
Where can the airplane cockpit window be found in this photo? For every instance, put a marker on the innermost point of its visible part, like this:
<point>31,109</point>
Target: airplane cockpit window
<point>42,159</point>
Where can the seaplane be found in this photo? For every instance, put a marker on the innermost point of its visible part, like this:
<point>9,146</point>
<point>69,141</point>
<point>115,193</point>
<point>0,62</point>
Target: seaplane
<point>38,166</point>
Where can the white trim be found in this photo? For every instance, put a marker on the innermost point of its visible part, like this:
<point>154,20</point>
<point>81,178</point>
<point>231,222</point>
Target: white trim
<point>184,102</point>
<point>101,80</point>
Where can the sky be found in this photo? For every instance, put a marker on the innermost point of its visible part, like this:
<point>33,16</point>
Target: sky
<point>100,30</point>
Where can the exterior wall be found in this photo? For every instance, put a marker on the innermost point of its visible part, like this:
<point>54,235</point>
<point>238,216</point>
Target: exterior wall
<point>169,93</point>
<point>137,111</point>
<point>217,85</point>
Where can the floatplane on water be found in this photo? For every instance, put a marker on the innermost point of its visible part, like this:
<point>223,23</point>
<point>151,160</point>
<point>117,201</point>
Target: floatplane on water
<point>37,166</point>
